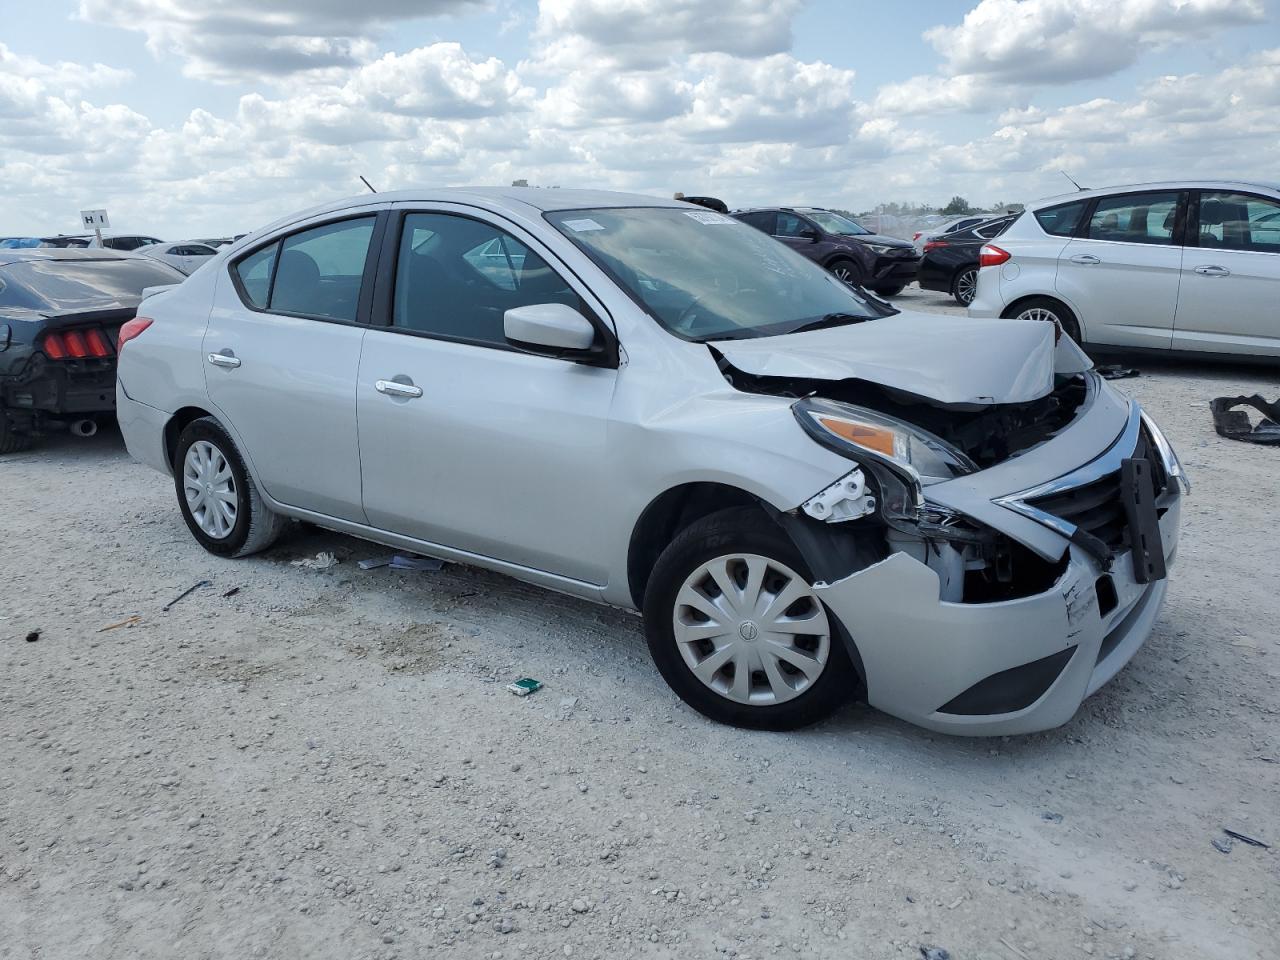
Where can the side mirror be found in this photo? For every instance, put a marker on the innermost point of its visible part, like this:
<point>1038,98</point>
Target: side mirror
<point>810,234</point>
<point>553,325</point>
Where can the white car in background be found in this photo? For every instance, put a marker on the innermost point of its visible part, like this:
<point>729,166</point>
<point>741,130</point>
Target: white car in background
<point>184,256</point>
<point>1191,266</point>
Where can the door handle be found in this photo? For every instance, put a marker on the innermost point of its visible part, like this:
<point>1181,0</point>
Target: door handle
<point>224,360</point>
<point>1210,270</point>
<point>1085,258</point>
<point>394,388</point>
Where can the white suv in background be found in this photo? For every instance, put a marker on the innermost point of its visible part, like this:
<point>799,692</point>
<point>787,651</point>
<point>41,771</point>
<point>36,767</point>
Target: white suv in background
<point>1188,266</point>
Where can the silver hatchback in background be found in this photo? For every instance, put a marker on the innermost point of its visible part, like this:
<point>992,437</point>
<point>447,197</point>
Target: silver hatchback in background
<point>1191,267</point>
<point>809,494</point>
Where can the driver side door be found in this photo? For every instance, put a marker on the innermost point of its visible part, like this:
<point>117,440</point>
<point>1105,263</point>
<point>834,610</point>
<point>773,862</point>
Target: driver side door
<point>467,440</point>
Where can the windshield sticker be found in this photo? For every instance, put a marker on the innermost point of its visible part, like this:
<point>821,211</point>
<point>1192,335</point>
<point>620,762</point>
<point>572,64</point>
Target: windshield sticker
<point>709,216</point>
<point>580,226</point>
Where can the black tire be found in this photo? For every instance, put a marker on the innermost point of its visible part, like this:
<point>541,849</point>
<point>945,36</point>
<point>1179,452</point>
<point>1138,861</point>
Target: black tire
<point>10,440</point>
<point>964,286</point>
<point>256,527</point>
<point>892,291</point>
<point>846,270</point>
<point>1057,312</point>
<point>745,530</point>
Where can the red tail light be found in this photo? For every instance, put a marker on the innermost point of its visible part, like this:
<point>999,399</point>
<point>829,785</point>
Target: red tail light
<point>935,244</point>
<point>131,329</point>
<point>76,346</point>
<point>54,348</point>
<point>97,343</point>
<point>992,256</point>
<point>917,235</point>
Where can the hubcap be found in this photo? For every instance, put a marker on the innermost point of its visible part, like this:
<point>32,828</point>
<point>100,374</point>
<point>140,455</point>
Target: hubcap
<point>1039,313</point>
<point>967,286</point>
<point>751,629</point>
<point>210,489</point>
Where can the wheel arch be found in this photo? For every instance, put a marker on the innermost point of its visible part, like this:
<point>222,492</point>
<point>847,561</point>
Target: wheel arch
<point>671,512</point>
<point>177,423</point>
<point>1015,305</point>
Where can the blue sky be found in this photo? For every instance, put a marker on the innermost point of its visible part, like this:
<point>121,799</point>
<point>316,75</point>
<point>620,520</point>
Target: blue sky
<point>235,112</point>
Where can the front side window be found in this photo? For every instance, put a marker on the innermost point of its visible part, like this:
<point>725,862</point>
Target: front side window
<point>456,278</point>
<point>703,276</point>
<point>789,225</point>
<point>1062,220</point>
<point>1239,221</point>
<point>1135,218</point>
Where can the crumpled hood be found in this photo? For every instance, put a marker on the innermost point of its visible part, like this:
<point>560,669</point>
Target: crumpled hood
<point>948,359</point>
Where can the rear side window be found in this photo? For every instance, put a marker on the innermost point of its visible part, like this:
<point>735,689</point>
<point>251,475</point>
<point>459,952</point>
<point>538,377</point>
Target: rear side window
<point>1135,218</point>
<point>1062,220</point>
<point>315,273</point>
<point>255,273</point>
<point>761,221</point>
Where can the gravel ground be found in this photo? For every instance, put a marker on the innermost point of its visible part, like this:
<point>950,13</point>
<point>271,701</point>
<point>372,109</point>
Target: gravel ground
<point>326,764</point>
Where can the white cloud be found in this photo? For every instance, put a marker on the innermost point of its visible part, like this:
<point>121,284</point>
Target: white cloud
<point>1042,41</point>
<point>646,33</point>
<point>229,39</point>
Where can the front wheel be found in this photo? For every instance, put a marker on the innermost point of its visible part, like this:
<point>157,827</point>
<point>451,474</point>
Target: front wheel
<point>848,271</point>
<point>736,629</point>
<point>216,495</point>
<point>965,287</point>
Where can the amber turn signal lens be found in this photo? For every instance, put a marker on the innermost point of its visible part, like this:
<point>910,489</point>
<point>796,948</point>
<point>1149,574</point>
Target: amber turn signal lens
<point>864,435</point>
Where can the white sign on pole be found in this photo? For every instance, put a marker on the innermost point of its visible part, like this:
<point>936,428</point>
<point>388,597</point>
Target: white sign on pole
<point>94,219</point>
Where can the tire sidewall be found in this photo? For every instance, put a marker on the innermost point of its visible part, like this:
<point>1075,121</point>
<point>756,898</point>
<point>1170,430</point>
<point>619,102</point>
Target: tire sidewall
<point>855,271</point>
<point>209,430</point>
<point>837,684</point>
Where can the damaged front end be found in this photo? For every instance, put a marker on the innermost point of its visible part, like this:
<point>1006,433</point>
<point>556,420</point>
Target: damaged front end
<point>992,564</point>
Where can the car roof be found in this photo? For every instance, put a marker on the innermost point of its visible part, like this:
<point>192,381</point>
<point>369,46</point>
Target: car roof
<point>497,199</point>
<point>58,253</point>
<point>1271,185</point>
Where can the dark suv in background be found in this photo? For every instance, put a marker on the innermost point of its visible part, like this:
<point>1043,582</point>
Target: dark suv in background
<point>846,248</point>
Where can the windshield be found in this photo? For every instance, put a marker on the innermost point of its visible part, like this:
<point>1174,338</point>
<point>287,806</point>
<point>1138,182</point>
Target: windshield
<point>705,276</point>
<point>834,223</point>
<point>83,284</point>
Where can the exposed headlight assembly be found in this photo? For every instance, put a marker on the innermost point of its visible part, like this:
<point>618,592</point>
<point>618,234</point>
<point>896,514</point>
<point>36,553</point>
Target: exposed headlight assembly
<point>882,247</point>
<point>1169,459</point>
<point>903,458</point>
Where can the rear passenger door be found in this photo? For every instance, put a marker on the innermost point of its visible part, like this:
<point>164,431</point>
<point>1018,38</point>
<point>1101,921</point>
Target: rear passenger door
<point>1230,297</point>
<point>1122,268</point>
<point>282,350</point>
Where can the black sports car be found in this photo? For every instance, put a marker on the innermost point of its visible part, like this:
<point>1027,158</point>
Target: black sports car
<point>60,316</point>
<point>950,261</point>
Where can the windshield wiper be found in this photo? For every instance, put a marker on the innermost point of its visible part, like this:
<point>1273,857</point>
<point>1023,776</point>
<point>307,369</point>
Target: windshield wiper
<point>829,320</point>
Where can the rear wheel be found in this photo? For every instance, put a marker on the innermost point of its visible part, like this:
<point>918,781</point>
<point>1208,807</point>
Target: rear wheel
<point>216,495</point>
<point>848,271</point>
<point>965,286</point>
<point>736,629</point>
<point>1046,309</point>
<point>10,440</point>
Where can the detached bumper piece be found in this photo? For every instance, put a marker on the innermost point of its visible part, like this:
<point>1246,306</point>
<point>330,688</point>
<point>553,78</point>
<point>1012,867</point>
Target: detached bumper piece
<point>1234,424</point>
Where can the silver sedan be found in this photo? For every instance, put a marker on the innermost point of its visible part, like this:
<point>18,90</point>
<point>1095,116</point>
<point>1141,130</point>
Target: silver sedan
<point>809,494</point>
